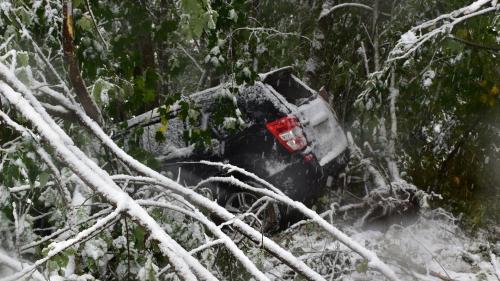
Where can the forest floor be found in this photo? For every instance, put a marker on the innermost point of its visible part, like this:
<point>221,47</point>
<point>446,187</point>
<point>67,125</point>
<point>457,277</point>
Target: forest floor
<point>433,247</point>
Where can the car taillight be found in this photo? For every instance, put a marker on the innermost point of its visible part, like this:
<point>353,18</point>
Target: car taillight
<point>288,132</point>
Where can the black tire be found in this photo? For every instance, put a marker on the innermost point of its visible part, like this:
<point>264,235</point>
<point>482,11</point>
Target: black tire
<point>264,215</point>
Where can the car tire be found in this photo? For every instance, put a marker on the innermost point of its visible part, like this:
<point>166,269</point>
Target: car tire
<point>263,215</point>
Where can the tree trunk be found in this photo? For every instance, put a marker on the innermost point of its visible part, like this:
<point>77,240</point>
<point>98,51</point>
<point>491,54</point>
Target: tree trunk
<point>75,77</point>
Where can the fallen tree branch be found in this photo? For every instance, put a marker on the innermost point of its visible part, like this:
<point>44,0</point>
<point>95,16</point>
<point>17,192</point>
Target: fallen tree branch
<point>99,180</point>
<point>373,261</point>
<point>59,247</point>
<point>230,245</point>
<point>93,175</point>
<point>18,266</point>
<point>254,235</point>
<point>74,72</point>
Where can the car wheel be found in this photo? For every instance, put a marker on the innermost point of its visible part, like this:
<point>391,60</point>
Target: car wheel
<point>256,211</point>
<point>240,202</point>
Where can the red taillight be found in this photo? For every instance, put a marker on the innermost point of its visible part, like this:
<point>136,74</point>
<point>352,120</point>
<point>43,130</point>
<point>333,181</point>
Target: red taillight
<point>288,132</point>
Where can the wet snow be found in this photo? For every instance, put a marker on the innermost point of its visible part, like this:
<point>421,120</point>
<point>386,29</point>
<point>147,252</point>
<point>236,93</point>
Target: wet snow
<point>433,245</point>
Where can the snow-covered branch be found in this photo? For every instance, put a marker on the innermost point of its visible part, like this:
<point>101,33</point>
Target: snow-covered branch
<point>245,261</point>
<point>254,235</point>
<point>93,175</point>
<point>356,153</point>
<point>42,153</point>
<point>328,11</point>
<point>442,25</point>
<point>231,168</point>
<point>18,266</point>
<point>59,247</point>
<point>99,180</point>
<point>391,146</point>
<point>373,260</point>
<point>55,234</point>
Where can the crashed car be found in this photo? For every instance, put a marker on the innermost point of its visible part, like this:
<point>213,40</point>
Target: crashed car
<point>288,135</point>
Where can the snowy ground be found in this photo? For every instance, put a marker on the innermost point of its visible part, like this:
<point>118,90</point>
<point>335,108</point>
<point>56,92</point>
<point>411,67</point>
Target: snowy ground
<point>433,248</point>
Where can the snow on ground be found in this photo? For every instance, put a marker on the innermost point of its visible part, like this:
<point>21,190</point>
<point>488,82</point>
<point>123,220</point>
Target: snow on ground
<point>433,248</point>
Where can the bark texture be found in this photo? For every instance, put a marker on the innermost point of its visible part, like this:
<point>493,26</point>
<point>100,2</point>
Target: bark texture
<point>75,76</point>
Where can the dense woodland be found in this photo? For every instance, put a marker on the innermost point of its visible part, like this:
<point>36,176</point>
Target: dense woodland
<point>414,83</point>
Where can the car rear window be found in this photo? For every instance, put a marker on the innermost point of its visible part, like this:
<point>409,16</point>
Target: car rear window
<point>291,88</point>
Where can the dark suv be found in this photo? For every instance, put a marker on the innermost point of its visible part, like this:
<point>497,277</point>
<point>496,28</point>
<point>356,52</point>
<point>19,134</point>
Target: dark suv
<point>291,138</point>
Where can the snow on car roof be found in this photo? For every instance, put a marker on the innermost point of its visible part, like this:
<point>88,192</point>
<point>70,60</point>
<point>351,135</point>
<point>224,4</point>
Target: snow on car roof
<point>206,95</point>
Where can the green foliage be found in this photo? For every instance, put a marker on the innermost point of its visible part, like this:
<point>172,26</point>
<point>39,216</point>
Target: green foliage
<point>159,52</point>
<point>447,98</point>
<point>198,16</point>
<point>144,91</point>
<point>139,235</point>
<point>85,23</point>
<point>144,156</point>
<point>362,266</point>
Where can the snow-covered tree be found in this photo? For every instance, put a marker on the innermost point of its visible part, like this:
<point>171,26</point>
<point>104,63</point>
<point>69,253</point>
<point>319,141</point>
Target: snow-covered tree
<point>404,77</point>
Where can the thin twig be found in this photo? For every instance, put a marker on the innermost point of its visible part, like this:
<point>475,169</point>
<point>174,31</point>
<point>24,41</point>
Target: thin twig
<point>87,3</point>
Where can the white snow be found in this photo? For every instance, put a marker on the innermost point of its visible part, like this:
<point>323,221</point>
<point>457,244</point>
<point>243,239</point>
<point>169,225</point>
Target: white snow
<point>172,152</point>
<point>274,166</point>
<point>232,15</point>
<point>408,39</point>
<point>428,77</point>
<point>247,72</point>
<point>78,198</point>
<point>475,6</point>
<point>230,123</point>
<point>13,264</point>
<point>434,243</point>
<point>437,128</point>
<point>95,249</point>
<point>311,65</point>
<point>457,58</point>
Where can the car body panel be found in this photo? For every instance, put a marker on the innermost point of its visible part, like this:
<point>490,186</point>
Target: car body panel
<point>321,127</point>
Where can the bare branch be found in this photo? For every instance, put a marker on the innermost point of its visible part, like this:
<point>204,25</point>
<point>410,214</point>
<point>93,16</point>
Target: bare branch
<point>329,11</point>
<point>87,4</point>
<point>474,44</point>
